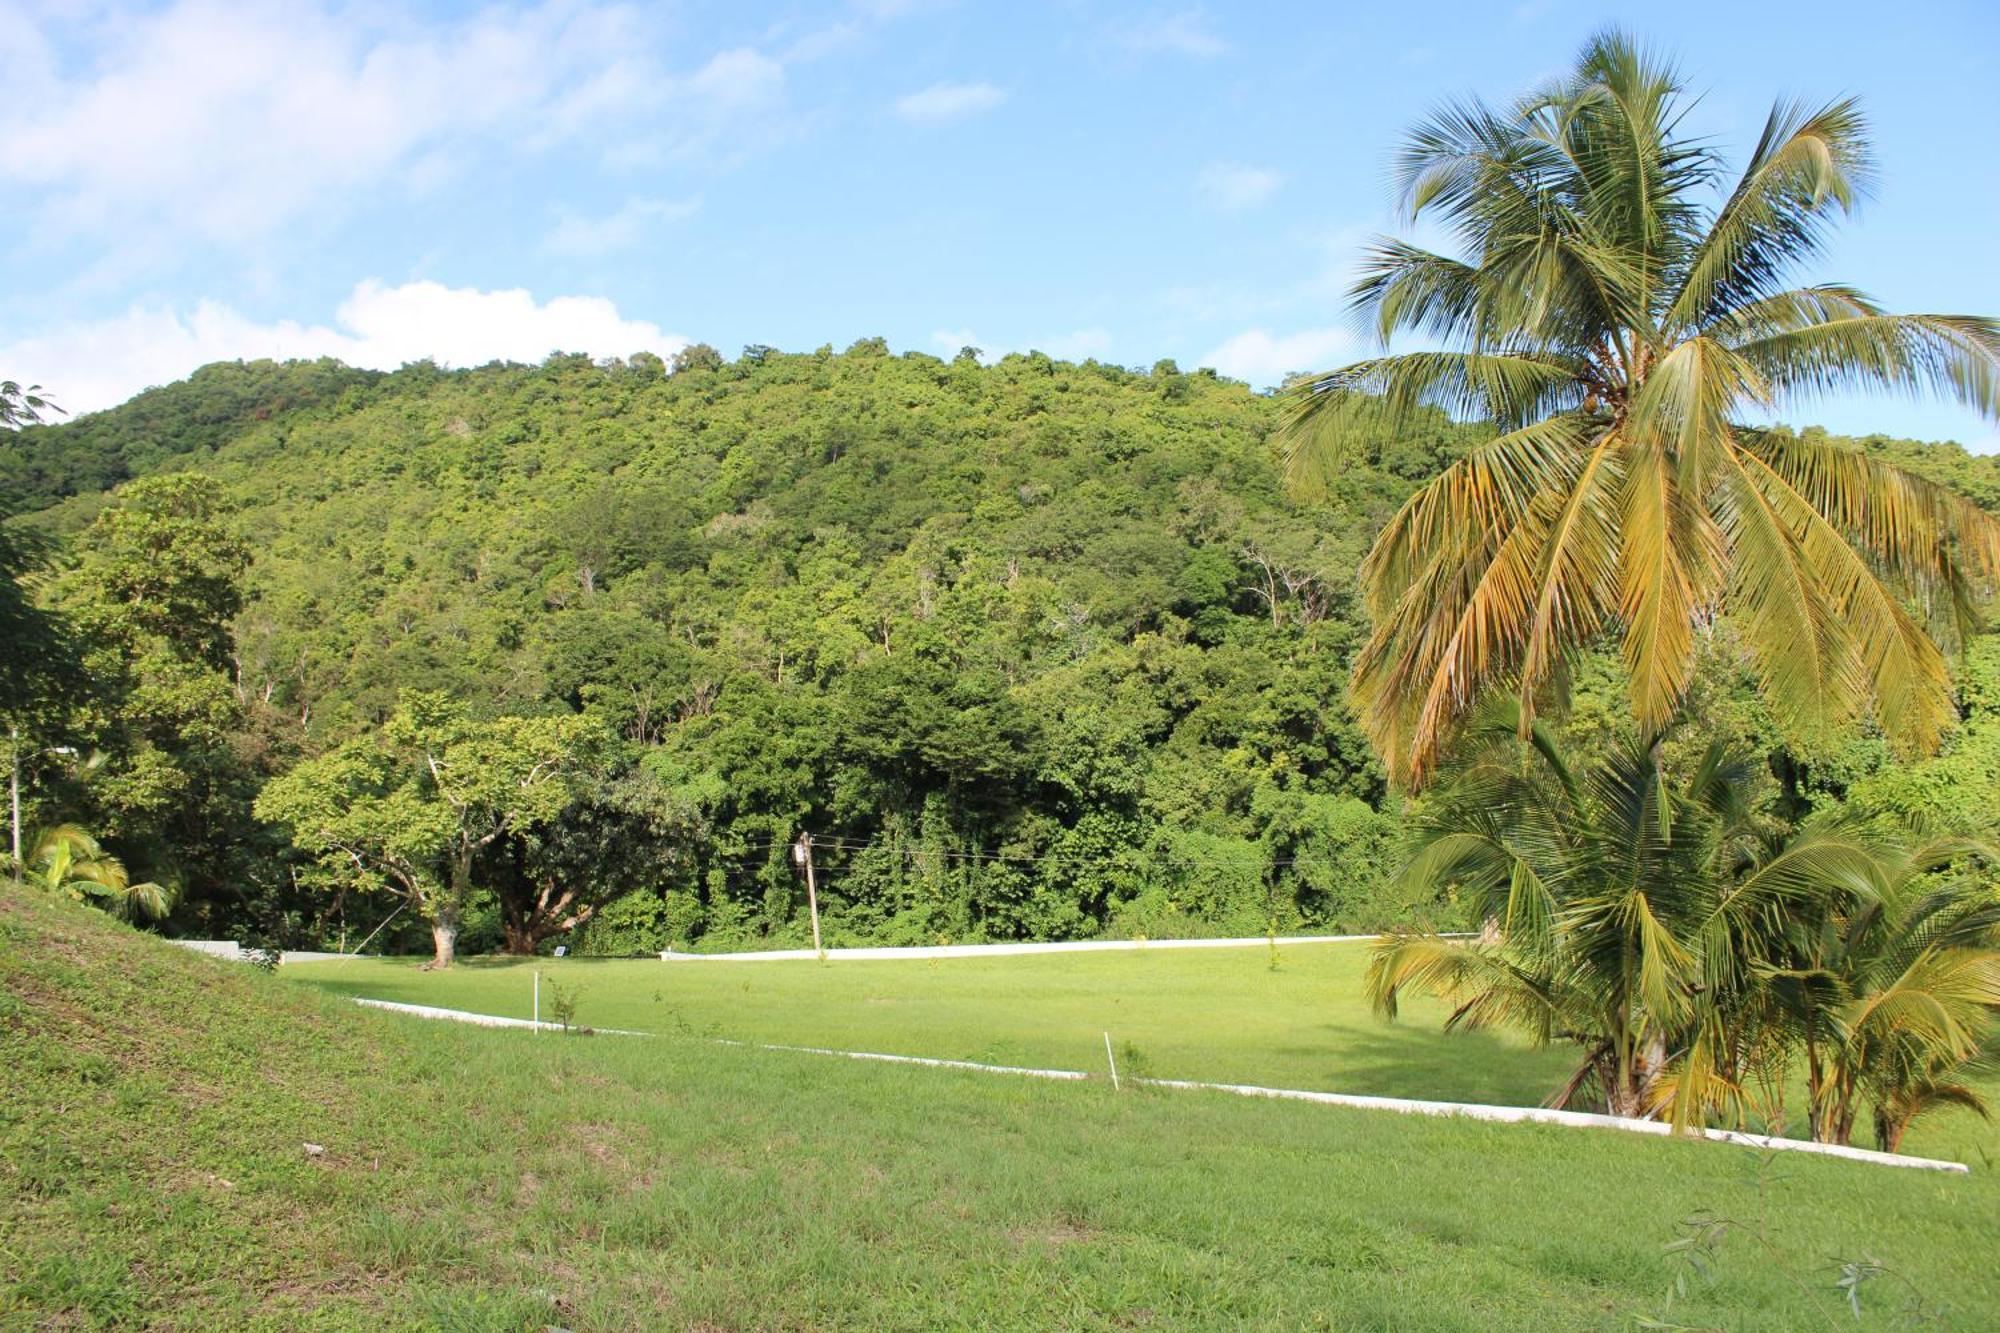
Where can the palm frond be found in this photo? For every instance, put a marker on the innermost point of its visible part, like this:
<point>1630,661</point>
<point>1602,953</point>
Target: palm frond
<point>1947,356</point>
<point>1576,586</point>
<point>1942,546</point>
<point>1408,289</point>
<point>149,900</point>
<point>1487,988</point>
<point>1808,165</point>
<point>1491,487</point>
<point>1905,673</point>
<point>1669,564</point>
<point>1805,665</point>
<point>1786,311</point>
<point>1330,412</point>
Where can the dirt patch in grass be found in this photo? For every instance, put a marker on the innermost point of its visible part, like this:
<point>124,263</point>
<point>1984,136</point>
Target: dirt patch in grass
<point>1059,1232</point>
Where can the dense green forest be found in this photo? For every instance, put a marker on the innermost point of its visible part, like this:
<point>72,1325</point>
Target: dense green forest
<point>1033,649</point>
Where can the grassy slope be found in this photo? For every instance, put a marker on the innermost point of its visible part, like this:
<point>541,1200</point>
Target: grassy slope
<point>155,1103</point>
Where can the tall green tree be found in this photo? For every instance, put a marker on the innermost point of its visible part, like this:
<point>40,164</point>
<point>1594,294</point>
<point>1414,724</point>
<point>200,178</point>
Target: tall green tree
<point>616,837</point>
<point>410,807</point>
<point>37,674</point>
<point>1621,315</point>
<point>149,603</point>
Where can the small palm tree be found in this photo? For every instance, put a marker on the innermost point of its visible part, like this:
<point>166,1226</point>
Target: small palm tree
<point>1889,997</point>
<point>67,860</point>
<point>1619,318</point>
<point>1624,912</point>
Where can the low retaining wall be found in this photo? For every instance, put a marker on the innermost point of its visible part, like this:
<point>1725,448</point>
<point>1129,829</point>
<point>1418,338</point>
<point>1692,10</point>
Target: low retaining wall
<point>233,952</point>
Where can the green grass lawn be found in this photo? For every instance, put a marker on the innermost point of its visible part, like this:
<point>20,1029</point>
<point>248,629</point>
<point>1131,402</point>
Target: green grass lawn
<point>1214,1015</point>
<point>155,1104</point>
<point>1222,1015</point>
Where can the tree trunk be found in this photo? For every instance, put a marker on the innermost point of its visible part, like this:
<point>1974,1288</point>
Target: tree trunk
<point>445,918</point>
<point>524,925</point>
<point>1844,1131</point>
<point>444,936</point>
<point>1650,1062</point>
<point>517,939</point>
<point>1617,1091</point>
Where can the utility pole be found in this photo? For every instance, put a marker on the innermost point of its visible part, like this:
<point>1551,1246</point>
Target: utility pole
<point>802,853</point>
<point>14,792</point>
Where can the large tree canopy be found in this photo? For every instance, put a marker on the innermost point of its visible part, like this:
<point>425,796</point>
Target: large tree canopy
<point>1621,319</point>
<point>412,807</point>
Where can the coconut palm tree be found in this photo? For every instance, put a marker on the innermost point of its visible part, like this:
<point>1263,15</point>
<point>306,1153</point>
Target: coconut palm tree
<point>1624,911</point>
<point>1620,316</point>
<point>65,859</point>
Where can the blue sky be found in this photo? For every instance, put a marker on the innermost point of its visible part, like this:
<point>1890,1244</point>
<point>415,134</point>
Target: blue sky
<point>205,179</point>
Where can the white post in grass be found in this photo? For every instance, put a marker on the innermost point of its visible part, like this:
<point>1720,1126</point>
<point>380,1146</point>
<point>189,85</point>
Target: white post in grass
<point>538,1000</point>
<point>1112,1060</point>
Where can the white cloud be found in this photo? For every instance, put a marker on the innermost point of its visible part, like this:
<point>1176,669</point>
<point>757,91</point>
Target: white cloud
<point>737,79</point>
<point>94,365</point>
<point>1183,34</point>
<point>1232,187</point>
<point>1075,345</point>
<point>583,236</point>
<point>227,119</point>
<point>948,101</point>
<point>950,341</point>
<point>1261,358</point>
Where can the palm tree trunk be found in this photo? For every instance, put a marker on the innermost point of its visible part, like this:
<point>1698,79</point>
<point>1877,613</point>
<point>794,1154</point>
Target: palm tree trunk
<point>1652,1060</point>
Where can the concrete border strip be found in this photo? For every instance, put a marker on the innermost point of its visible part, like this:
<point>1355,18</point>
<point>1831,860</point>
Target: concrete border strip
<point>933,1062</point>
<point>483,1020</point>
<point>1515,1115</point>
<point>1546,1115</point>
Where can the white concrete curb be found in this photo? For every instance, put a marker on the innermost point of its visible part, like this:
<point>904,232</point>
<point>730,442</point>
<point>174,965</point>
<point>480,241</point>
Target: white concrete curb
<point>1544,1115</point>
<point>1021,1070</point>
<point>483,1020</point>
<point>1510,1115</point>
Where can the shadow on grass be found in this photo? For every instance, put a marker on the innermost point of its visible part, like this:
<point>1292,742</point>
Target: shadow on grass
<point>1406,1061</point>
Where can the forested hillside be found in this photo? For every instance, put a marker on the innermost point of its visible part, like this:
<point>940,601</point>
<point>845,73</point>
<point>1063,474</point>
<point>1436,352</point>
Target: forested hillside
<point>1032,649</point>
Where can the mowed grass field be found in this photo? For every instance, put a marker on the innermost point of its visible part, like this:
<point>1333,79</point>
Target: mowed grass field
<point>1224,1015</point>
<point>154,1108</point>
